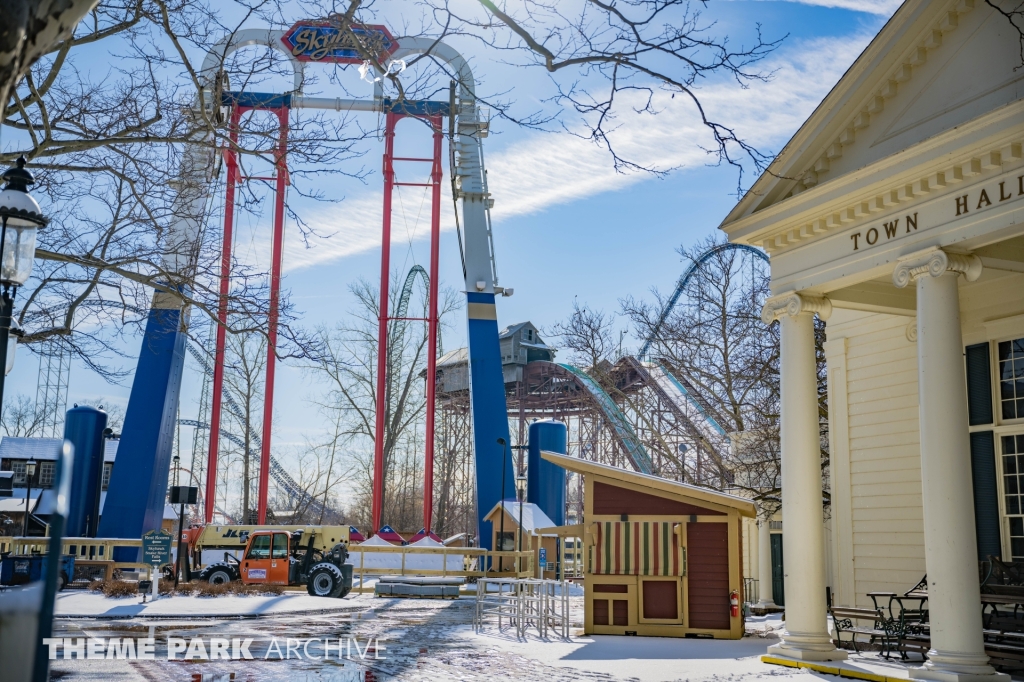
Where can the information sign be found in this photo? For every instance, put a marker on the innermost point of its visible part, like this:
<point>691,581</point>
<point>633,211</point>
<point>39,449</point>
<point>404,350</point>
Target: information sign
<point>327,41</point>
<point>156,548</point>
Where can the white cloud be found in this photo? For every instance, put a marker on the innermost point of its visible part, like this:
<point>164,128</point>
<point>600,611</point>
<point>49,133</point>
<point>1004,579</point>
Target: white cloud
<point>880,7</point>
<point>544,170</point>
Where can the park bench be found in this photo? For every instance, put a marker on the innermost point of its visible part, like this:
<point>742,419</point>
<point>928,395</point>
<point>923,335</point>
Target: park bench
<point>1005,648</point>
<point>845,619</point>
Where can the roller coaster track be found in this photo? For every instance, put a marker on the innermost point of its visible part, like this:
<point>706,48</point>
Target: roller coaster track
<point>681,286</point>
<point>694,413</point>
<point>624,434</point>
<point>396,341</point>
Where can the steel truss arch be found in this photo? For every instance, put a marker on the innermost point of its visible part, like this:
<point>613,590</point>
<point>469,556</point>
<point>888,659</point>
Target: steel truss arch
<point>684,279</point>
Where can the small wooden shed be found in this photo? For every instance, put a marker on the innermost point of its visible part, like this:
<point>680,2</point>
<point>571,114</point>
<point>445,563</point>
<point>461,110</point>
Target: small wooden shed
<point>533,519</point>
<point>662,558</point>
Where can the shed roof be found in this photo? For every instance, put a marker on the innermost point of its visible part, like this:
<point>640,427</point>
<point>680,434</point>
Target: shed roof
<point>533,516</point>
<point>46,449</point>
<point>663,486</point>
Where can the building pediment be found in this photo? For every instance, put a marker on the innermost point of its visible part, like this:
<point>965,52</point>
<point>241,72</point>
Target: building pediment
<point>934,68</point>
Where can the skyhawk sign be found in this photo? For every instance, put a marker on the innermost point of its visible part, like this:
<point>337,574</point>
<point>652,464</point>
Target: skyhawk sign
<point>326,41</point>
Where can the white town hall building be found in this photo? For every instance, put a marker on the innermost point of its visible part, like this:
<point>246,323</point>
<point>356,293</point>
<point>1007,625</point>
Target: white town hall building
<point>896,214</point>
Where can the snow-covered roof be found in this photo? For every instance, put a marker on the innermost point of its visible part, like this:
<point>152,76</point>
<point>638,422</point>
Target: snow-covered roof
<point>453,357</point>
<point>376,541</point>
<point>17,503</point>
<point>46,449</point>
<point>39,449</point>
<point>533,516</point>
<point>426,541</point>
<point>512,329</point>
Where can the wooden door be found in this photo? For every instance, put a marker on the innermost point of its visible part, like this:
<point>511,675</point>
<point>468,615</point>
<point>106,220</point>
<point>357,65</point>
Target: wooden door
<point>707,571</point>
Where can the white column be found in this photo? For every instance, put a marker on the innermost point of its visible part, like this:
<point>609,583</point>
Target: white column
<point>764,561</point>
<point>806,635</point>
<point>950,545</point>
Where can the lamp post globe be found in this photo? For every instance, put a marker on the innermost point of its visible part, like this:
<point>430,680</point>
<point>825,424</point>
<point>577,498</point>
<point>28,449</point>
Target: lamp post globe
<point>20,220</point>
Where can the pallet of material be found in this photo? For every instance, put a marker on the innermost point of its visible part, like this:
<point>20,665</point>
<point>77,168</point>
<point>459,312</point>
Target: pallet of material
<point>416,590</point>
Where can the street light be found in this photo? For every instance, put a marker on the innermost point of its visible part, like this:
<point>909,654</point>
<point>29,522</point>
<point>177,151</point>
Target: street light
<point>30,471</point>
<point>501,499</point>
<point>20,219</point>
<point>521,495</point>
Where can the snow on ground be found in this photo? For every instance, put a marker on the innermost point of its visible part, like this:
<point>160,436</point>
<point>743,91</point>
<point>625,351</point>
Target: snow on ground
<point>424,639</point>
<point>71,604</point>
<point>645,658</point>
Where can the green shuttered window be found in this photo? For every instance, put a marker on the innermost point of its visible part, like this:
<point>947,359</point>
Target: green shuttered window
<point>979,385</point>
<point>983,451</point>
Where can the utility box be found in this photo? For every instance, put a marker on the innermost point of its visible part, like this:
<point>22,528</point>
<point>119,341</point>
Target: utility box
<point>30,568</point>
<point>182,494</point>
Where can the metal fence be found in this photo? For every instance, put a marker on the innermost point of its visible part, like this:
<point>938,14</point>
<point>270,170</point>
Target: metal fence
<point>751,591</point>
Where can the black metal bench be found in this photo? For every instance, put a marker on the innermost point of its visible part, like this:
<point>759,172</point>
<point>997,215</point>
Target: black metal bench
<point>844,619</point>
<point>1005,649</point>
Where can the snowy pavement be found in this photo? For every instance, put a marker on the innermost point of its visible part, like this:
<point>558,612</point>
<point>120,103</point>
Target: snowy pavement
<point>418,639</point>
<point>79,604</point>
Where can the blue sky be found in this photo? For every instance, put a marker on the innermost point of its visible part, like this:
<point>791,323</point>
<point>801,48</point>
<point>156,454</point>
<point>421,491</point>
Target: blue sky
<point>566,224</point>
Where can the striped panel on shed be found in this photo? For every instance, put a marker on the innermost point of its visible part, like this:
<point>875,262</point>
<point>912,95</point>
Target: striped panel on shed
<point>637,548</point>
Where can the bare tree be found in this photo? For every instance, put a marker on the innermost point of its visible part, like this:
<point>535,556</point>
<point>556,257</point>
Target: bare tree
<point>454,470</point>
<point>243,379</point>
<point>20,418</point>
<point>320,480</point>
<point>715,338</point>
<point>608,59</point>
<point>111,156</point>
<point>587,335</point>
<point>1013,12</point>
<point>107,149</point>
<point>348,367</point>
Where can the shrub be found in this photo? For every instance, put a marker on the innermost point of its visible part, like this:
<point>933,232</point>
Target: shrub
<point>208,590</point>
<point>240,589</point>
<point>186,589</point>
<point>119,588</point>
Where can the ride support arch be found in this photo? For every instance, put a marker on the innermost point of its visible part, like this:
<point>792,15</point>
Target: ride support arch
<point>138,485</point>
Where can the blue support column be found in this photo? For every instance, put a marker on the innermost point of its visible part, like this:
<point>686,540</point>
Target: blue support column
<point>489,412</point>
<point>138,483</point>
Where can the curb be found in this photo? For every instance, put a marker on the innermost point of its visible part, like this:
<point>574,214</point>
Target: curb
<point>831,670</point>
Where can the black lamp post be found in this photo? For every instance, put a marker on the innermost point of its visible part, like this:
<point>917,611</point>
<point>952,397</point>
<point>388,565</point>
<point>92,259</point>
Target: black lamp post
<point>501,499</point>
<point>521,495</point>
<point>30,471</point>
<point>20,219</point>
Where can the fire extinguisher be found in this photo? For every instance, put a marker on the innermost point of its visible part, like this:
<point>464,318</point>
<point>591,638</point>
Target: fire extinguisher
<point>734,604</point>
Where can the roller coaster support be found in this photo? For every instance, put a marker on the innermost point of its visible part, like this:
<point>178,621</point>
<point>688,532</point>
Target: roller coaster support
<point>279,106</point>
<point>139,483</point>
<point>392,117</point>
<point>231,161</point>
<point>487,384</point>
